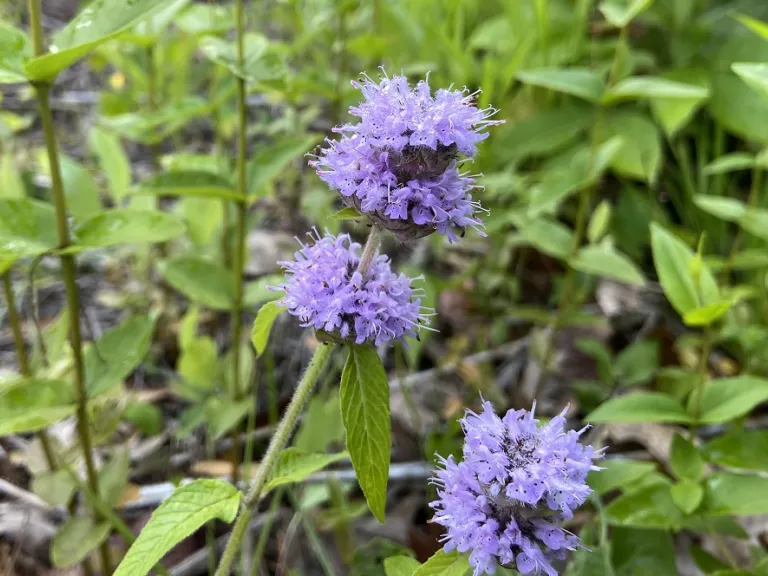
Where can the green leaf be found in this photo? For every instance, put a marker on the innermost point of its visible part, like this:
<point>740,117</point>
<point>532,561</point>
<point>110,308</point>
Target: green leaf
<point>640,407</point>
<point>618,473</point>
<point>740,449</point>
<point>580,82</point>
<point>365,412</point>
<point>400,566</point>
<point>684,459</point>
<point>205,19</point>
<point>112,160</point>
<point>203,216</point>
<point>649,507</point>
<point>728,398</point>
<point>757,26</point>
<point>56,488</point>
<point>755,75</point>
<point>728,209</point>
<point>11,184</point>
<point>259,292</point>
<point>27,228</point>
<point>186,510</point>
<point>81,190</point>
<point>705,561</point>
<point>294,465</point>
<point>76,538</point>
<point>728,494</point>
<point>222,414</point>
<point>706,315</point>
<point>542,134</point>
<point>110,359</point>
<point>259,61</point>
<point>549,237</point>
<point>674,113</point>
<point>599,222</point>
<point>349,214</point>
<point>605,261</point>
<point>444,564</point>
<point>640,155</point>
<point>652,87</point>
<point>737,107</point>
<point>270,161</point>
<point>640,552</point>
<point>321,426</point>
<point>196,183</point>
<point>148,418</point>
<point>198,367</point>
<point>32,404</point>
<point>113,477</point>
<point>263,325</point>
<point>15,48</point>
<point>127,226</point>
<point>637,363</point>
<point>201,280</point>
<point>672,259</point>
<point>727,163</point>
<point>755,221</point>
<point>621,12</point>
<point>95,24</point>
<point>687,495</point>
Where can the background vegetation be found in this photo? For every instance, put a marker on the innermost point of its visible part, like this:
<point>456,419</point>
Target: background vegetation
<point>624,271</point>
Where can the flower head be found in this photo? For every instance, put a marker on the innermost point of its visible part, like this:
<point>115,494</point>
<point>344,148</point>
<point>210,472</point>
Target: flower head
<point>325,289</point>
<point>400,163</point>
<point>503,502</point>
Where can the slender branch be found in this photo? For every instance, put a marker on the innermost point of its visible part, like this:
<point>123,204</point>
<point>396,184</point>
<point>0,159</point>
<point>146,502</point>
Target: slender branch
<point>67,267</point>
<point>242,210</point>
<point>23,358</point>
<point>276,445</point>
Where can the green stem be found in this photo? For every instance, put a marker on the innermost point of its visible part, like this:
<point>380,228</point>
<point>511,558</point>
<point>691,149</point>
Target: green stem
<point>107,513</point>
<point>67,267</point>
<point>239,255</point>
<point>261,544</point>
<point>23,358</point>
<point>276,445</point>
<point>371,246</point>
<point>754,193</point>
<point>585,198</point>
<point>703,374</point>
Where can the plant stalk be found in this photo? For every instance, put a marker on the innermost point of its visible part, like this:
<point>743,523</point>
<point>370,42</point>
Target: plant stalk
<point>68,271</point>
<point>276,445</point>
<point>23,358</point>
<point>238,263</point>
<point>582,212</point>
<point>371,246</point>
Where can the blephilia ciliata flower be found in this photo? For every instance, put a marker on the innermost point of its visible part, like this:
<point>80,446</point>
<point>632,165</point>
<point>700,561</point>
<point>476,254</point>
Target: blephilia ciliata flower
<point>400,163</point>
<point>503,502</point>
<point>325,289</point>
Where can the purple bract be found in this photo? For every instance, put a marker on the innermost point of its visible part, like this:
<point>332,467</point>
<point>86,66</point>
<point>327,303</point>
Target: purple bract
<point>400,163</point>
<point>503,502</point>
<point>325,290</point>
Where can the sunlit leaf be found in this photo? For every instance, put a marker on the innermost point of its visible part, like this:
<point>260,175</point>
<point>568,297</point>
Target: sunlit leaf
<point>186,510</point>
<point>294,465</point>
<point>96,23</point>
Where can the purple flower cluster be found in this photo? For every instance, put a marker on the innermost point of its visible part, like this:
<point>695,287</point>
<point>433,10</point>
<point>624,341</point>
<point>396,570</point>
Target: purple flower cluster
<point>325,290</point>
<point>503,502</point>
<point>400,163</point>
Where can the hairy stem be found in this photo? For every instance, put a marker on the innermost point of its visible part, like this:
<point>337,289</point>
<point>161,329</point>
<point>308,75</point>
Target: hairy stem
<point>371,246</point>
<point>67,267</point>
<point>276,445</point>
<point>238,263</point>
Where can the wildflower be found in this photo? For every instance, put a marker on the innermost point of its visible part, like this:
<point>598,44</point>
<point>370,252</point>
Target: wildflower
<point>325,289</point>
<point>400,163</point>
<point>503,502</point>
